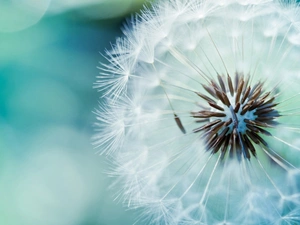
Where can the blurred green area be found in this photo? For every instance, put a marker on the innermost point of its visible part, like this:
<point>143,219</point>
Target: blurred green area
<point>49,172</point>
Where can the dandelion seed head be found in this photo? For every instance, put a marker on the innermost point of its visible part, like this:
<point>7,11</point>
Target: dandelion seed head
<point>201,118</point>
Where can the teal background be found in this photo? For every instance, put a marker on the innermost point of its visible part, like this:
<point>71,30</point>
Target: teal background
<point>50,174</point>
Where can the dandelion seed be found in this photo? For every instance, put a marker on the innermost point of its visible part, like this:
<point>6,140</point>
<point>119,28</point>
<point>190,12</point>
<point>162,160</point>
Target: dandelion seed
<point>201,119</point>
<point>237,116</point>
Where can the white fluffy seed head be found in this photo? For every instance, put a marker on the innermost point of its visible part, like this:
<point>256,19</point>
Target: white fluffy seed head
<point>153,122</point>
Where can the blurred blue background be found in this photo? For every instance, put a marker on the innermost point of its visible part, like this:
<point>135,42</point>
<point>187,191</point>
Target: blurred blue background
<point>50,173</point>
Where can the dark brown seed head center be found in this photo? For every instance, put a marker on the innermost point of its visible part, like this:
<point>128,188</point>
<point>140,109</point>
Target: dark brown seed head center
<point>235,116</point>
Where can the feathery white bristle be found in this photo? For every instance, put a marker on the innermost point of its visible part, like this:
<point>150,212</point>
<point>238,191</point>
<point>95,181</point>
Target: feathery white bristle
<point>147,127</point>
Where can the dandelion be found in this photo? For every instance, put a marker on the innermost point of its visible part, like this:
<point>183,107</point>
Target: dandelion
<point>201,116</point>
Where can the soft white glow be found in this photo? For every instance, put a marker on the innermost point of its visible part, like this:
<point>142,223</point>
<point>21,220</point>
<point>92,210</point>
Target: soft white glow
<point>17,15</point>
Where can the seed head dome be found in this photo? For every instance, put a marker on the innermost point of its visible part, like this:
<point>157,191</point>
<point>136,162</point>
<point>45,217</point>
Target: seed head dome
<point>200,112</point>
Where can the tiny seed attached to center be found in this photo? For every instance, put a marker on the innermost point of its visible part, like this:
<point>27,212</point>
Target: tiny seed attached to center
<point>236,116</point>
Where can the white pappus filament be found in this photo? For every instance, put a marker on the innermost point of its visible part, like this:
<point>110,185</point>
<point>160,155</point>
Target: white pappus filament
<point>201,113</point>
